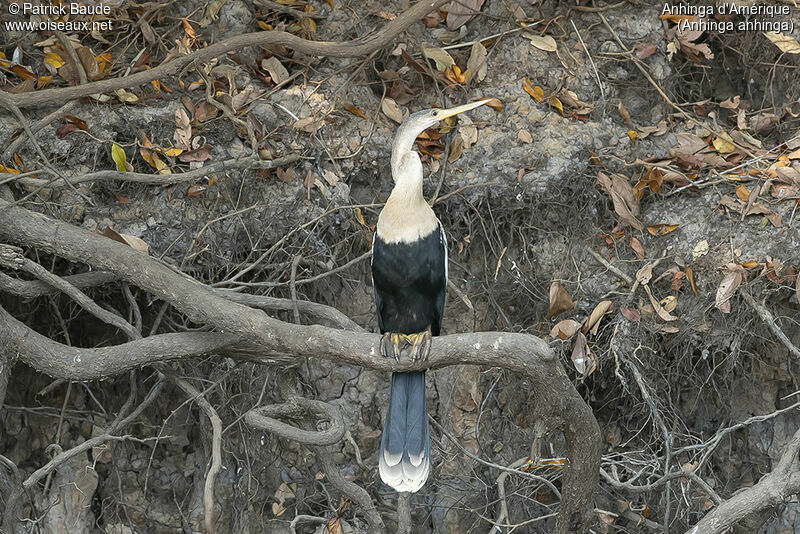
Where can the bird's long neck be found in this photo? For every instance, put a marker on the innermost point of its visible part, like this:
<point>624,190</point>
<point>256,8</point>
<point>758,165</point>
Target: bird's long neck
<point>406,178</point>
<point>406,216</point>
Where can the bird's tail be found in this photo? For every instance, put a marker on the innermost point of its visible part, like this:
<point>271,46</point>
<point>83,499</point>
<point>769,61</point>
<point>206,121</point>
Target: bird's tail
<point>405,454</point>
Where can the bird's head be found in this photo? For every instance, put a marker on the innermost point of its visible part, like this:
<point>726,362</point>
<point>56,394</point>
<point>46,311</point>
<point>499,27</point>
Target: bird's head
<point>420,121</point>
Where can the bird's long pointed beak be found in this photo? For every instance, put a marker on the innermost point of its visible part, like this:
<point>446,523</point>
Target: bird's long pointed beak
<point>451,112</point>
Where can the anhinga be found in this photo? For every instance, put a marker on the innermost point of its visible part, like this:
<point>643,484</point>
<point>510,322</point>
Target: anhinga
<point>409,277</point>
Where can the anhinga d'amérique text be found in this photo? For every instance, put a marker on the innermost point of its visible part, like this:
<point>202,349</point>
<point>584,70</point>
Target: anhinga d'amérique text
<point>409,277</point>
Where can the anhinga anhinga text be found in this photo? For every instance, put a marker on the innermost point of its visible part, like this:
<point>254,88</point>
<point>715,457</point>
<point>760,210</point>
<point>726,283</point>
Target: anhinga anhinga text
<point>409,276</point>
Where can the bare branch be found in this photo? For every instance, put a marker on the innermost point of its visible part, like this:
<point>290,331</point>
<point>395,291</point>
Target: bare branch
<point>773,489</point>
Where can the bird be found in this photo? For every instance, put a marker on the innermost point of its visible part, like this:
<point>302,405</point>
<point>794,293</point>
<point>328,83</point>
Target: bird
<point>409,279</point>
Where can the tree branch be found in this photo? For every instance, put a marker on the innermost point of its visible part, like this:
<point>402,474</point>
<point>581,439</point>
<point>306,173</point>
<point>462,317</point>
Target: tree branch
<point>773,489</point>
<point>557,402</point>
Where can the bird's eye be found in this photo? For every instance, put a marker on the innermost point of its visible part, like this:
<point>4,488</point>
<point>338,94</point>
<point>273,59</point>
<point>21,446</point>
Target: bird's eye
<point>435,113</point>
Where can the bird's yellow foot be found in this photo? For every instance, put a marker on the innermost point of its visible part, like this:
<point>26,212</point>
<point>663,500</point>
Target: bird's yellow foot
<point>420,345</point>
<point>392,345</point>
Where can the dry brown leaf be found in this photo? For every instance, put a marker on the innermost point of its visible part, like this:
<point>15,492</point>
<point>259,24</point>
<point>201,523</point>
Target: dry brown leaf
<point>355,111</point>
<point>542,42</point>
<point>742,192</point>
<point>439,56</point>
<point>626,205</point>
<point>309,124</point>
<point>276,70</point>
<point>392,110</point>
<point>730,103</point>
<point>644,50</point>
<point>786,43</point>
<point>662,313</point>
<point>560,300</point>
<point>565,329</point>
<point>525,136</point>
<point>669,303</point>
<point>637,247</point>
<point>456,147</point>
<point>459,12</point>
<point>535,91</point>
<point>476,65</point>
<point>593,321</point>
<point>582,358</point>
<point>335,526</point>
<point>661,229</point>
<point>630,314</point>
<point>467,130</point>
<point>690,276</point>
<point>183,129</point>
<point>730,282</point>
<point>132,241</point>
<point>644,274</point>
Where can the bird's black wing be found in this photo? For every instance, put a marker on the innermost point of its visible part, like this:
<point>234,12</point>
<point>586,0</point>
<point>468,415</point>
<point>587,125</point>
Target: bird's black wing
<point>441,275</point>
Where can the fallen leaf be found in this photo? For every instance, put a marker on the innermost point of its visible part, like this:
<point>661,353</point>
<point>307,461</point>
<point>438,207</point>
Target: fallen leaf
<point>183,130</point>
<point>459,12</point>
<point>188,29</point>
<point>593,321</point>
<point>556,103</point>
<point>195,190</point>
<point>543,42</point>
<point>355,111</point>
<point>565,329</point>
<point>132,241</point>
<point>727,287</point>
<point>662,313</point>
<point>467,130</point>
<point>535,91</point>
<point>644,274</point>
<point>742,193</point>
<point>525,136</point>
<point>392,110</point>
<point>730,103</point>
<point>637,247</point>
<point>723,143</point>
<point>669,303</point>
<point>626,205</point>
<point>631,315</point>
<point>661,229</point>
<point>476,65</point>
<point>118,155</point>
<point>276,70</point>
<point>54,60</point>
<point>309,124</point>
<point>456,147</point>
<point>560,300</point>
<point>198,154</point>
<point>690,277</point>
<point>439,56</point>
<point>582,358</point>
<point>495,104</point>
<point>700,249</point>
<point>786,43</point>
<point>126,96</point>
<point>644,50</point>
<point>334,526</point>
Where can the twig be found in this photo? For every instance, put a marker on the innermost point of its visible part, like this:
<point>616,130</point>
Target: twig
<point>72,56</point>
<point>304,281</point>
<point>769,320</point>
<point>250,162</point>
<point>38,125</point>
<point>216,445</point>
<point>404,513</point>
<point>502,468</point>
<point>773,489</point>
<point>33,268</point>
<point>616,270</point>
